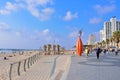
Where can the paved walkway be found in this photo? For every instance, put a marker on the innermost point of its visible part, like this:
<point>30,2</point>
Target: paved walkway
<point>106,68</point>
<point>61,67</point>
<point>48,68</point>
<point>39,71</point>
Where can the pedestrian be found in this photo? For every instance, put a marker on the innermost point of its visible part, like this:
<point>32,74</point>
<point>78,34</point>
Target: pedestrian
<point>116,51</point>
<point>104,51</point>
<point>87,51</point>
<point>98,52</point>
<point>73,53</point>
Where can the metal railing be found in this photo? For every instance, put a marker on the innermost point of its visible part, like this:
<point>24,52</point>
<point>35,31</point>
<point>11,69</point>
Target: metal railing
<point>17,68</point>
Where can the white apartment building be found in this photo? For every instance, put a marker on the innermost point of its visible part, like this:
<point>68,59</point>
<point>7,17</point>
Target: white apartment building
<point>107,30</point>
<point>102,35</point>
<point>109,27</point>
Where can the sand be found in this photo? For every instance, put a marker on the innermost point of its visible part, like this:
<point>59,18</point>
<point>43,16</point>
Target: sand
<point>60,66</point>
<point>11,58</point>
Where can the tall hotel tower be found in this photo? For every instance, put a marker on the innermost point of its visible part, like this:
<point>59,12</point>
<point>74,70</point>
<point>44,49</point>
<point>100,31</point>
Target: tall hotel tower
<point>91,40</point>
<point>109,28</point>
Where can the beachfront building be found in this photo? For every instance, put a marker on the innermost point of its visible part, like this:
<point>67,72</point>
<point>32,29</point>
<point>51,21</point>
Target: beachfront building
<point>107,30</point>
<point>102,35</point>
<point>91,40</point>
<point>109,27</point>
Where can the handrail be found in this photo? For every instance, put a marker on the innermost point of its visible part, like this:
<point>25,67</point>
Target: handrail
<point>29,61</point>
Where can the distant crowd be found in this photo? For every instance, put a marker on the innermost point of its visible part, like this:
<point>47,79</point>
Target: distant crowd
<point>100,50</point>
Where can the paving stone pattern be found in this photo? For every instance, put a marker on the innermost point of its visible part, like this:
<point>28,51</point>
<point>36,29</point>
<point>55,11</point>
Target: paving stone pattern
<point>91,68</point>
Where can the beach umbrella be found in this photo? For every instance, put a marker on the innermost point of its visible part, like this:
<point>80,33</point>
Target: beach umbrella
<point>79,46</point>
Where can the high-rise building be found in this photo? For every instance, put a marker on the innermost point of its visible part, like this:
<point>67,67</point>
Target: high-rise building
<point>109,27</point>
<point>102,35</point>
<point>107,30</point>
<point>91,40</point>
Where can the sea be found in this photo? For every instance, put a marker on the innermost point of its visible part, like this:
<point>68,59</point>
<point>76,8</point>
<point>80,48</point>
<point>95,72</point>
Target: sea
<point>10,51</point>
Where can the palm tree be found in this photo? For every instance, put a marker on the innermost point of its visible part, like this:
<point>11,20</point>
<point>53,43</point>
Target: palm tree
<point>58,48</point>
<point>116,37</point>
<point>111,41</point>
<point>63,49</point>
<point>49,48</point>
<point>45,48</point>
<point>107,41</point>
<point>54,49</point>
<point>97,44</point>
<point>103,43</point>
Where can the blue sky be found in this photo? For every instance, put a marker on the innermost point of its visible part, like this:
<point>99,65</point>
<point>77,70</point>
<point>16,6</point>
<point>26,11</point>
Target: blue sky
<point>30,24</point>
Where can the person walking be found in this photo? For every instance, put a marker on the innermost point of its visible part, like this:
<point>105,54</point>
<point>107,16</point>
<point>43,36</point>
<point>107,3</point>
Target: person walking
<point>73,53</point>
<point>104,51</point>
<point>98,52</point>
<point>87,51</point>
<point>116,51</point>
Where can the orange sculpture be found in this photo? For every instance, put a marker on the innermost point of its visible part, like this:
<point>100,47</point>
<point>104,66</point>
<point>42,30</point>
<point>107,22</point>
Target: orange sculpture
<point>79,47</point>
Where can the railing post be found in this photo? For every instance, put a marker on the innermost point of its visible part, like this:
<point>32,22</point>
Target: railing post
<point>36,58</point>
<point>28,62</point>
<point>24,65</point>
<point>19,68</point>
<point>32,60</point>
<point>10,73</point>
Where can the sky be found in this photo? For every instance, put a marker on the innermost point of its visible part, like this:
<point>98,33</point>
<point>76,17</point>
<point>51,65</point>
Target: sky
<point>29,24</point>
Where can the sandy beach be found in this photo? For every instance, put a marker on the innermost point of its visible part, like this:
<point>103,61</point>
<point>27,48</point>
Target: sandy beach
<point>56,71</point>
<point>11,58</point>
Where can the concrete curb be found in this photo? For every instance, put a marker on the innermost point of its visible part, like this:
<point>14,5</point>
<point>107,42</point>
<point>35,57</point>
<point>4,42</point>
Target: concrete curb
<point>64,76</point>
<point>53,67</point>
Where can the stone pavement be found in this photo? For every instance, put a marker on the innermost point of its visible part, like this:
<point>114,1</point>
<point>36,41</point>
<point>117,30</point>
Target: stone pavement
<point>62,63</point>
<point>48,68</point>
<point>106,68</point>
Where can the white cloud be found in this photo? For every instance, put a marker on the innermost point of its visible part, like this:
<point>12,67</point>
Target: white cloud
<point>34,11</point>
<point>95,20</point>
<point>20,39</point>
<point>48,11</point>
<point>38,2</point>
<point>18,33</point>
<point>46,31</point>
<point>22,32</point>
<point>73,34</point>
<point>44,13</point>
<point>9,7</point>
<point>104,9</point>
<point>38,8</point>
<point>45,35</point>
<point>4,27</point>
<point>4,11</point>
<point>70,16</point>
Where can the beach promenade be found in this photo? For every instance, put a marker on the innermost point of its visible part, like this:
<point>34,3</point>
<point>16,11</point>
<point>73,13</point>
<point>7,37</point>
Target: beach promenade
<point>49,67</point>
<point>105,68</point>
<point>69,67</point>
